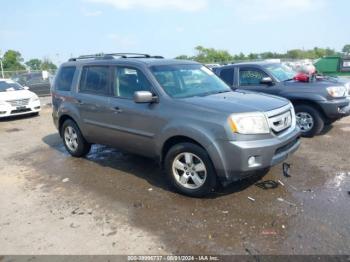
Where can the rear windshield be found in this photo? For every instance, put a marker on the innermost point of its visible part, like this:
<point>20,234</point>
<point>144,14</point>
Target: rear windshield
<point>10,86</point>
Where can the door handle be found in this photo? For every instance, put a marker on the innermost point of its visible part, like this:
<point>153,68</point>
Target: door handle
<point>80,102</point>
<point>117,110</point>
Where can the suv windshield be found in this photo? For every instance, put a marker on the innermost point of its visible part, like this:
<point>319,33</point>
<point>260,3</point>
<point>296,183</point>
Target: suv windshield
<point>180,81</point>
<point>280,71</point>
<point>9,86</point>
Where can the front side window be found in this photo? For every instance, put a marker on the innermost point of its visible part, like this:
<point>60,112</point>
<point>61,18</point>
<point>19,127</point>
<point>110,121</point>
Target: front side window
<point>64,78</point>
<point>181,81</point>
<point>128,81</point>
<point>251,76</point>
<point>95,80</point>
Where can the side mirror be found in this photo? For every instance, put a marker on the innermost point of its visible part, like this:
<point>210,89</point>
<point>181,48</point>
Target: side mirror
<point>267,81</point>
<point>26,88</point>
<point>144,97</point>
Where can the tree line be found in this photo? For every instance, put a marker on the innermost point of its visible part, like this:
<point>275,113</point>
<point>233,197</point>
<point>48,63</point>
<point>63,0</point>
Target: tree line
<point>212,55</point>
<point>13,61</point>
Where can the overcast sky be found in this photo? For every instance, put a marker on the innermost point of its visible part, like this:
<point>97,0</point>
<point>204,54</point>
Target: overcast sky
<point>59,29</point>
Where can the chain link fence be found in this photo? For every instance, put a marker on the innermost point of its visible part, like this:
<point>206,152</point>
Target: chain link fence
<point>17,73</point>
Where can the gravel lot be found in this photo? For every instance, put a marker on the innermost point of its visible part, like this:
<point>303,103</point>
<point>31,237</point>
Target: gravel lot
<point>118,203</point>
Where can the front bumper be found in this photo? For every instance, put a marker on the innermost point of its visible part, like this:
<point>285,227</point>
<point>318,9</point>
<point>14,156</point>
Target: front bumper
<point>7,110</point>
<point>232,163</point>
<point>335,109</point>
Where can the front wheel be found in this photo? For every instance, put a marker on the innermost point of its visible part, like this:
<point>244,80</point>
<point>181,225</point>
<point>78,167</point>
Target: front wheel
<point>309,120</point>
<point>190,170</point>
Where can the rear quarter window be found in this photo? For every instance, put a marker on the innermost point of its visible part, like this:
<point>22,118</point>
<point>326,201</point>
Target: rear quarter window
<point>227,75</point>
<point>64,79</point>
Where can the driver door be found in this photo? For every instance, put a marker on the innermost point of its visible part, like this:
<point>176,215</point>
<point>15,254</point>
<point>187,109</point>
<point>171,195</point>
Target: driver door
<point>249,78</point>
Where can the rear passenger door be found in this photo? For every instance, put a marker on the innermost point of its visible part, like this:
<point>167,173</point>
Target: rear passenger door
<point>93,102</point>
<point>133,125</point>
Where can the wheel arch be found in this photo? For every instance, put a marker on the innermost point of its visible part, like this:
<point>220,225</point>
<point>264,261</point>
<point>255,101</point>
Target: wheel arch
<point>298,102</point>
<point>64,118</point>
<point>174,140</point>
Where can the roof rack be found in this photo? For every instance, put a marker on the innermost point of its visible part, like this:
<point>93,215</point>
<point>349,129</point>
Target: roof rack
<point>113,55</point>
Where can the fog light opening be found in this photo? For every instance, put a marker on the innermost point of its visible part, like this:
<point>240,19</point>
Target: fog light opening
<point>252,161</point>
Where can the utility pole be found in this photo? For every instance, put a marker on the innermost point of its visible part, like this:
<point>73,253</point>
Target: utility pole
<point>1,66</point>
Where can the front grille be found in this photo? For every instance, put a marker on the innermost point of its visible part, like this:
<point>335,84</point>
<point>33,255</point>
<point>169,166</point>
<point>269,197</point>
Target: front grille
<point>20,111</point>
<point>280,119</point>
<point>19,102</point>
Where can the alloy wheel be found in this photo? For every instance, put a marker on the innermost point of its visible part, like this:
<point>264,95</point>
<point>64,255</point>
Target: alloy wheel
<point>305,121</point>
<point>189,170</point>
<point>71,138</point>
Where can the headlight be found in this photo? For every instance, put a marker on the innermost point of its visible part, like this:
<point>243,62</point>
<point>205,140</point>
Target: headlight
<point>249,123</point>
<point>35,98</point>
<point>337,91</point>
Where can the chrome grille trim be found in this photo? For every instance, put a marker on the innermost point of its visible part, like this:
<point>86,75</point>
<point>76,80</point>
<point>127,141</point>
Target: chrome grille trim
<point>19,102</point>
<point>282,120</point>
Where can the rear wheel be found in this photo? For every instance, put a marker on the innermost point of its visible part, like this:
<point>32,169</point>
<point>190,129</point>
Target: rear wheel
<point>309,120</point>
<point>189,170</point>
<point>73,140</point>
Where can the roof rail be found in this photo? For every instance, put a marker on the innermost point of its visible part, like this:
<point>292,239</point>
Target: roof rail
<point>113,55</point>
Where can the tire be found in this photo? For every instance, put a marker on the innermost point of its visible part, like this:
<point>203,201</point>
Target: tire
<point>330,122</point>
<point>307,113</point>
<point>78,146</point>
<point>189,170</point>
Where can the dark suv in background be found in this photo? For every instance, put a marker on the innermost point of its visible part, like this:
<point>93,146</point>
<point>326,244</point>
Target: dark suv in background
<point>36,82</point>
<point>316,103</point>
<point>177,112</point>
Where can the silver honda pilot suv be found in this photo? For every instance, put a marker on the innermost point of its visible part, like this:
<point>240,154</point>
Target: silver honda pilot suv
<point>177,112</point>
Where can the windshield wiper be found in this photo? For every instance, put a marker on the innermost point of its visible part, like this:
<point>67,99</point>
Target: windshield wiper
<point>214,93</point>
<point>287,80</point>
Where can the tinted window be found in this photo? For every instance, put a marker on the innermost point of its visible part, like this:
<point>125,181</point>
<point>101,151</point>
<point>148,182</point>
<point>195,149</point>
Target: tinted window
<point>64,79</point>
<point>128,81</point>
<point>95,79</point>
<point>252,76</point>
<point>227,75</point>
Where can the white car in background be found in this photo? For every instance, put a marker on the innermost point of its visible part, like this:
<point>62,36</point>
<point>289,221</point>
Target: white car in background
<point>17,100</point>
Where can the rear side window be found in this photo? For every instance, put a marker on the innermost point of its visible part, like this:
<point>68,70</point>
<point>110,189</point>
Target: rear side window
<point>227,75</point>
<point>64,78</point>
<point>95,79</point>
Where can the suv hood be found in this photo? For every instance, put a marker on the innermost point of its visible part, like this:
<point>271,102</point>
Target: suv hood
<point>239,102</point>
<point>13,95</point>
